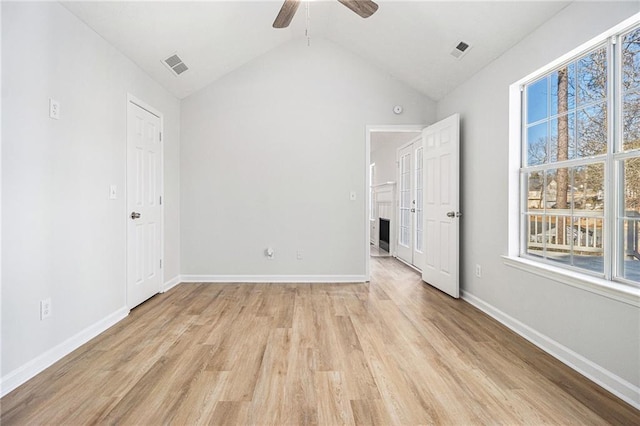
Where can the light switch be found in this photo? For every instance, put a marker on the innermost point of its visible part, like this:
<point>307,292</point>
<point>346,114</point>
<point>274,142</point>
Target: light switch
<point>352,195</point>
<point>113,192</point>
<point>54,109</point>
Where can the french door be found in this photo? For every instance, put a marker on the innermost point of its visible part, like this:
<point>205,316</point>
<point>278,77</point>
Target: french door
<point>410,203</point>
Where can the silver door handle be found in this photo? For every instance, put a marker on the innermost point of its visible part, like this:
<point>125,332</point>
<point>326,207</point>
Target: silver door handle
<point>451,214</point>
<point>135,215</point>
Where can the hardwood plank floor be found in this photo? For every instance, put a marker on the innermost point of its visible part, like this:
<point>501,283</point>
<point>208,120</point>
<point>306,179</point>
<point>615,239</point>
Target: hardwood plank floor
<point>394,351</point>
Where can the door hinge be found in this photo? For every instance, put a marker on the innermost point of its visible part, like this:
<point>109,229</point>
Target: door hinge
<point>161,200</point>
<point>160,263</point>
<point>160,136</point>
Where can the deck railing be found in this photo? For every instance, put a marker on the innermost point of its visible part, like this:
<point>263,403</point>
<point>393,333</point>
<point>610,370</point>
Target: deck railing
<point>582,233</point>
<point>561,232</point>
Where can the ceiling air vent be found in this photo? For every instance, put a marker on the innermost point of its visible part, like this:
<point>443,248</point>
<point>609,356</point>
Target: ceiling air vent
<point>460,50</point>
<point>175,64</point>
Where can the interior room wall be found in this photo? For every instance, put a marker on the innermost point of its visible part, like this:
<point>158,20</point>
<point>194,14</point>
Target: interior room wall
<point>270,155</point>
<point>602,335</point>
<point>63,238</point>
<point>384,149</point>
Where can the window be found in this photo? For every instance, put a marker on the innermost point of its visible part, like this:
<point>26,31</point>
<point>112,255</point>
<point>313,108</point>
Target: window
<point>580,162</point>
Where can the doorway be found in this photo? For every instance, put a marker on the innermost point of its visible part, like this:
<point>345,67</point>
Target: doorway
<point>144,202</point>
<point>382,143</point>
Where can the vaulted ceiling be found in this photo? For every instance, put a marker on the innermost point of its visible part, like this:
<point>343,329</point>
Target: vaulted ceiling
<point>410,40</point>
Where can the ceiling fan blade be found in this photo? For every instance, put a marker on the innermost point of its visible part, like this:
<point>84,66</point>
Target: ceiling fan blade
<point>364,8</point>
<point>286,13</point>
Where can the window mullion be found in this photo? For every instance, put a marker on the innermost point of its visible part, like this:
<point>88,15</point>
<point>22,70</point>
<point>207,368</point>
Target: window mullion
<point>618,170</point>
<point>524,218</point>
<point>611,168</point>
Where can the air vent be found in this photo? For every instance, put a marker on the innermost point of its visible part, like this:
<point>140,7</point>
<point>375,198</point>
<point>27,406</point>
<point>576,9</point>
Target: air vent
<point>460,50</point>
<point>175,64</point>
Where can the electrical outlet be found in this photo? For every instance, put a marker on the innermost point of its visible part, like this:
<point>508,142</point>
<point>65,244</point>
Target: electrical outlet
<point>299,255</point>
<point>54,109</point>
<point>45,309</point>
<point>478,271</point>
<point>270,253</point>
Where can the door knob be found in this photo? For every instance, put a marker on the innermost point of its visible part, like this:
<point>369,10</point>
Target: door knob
<point>135,215</point>
<point>451,214</point>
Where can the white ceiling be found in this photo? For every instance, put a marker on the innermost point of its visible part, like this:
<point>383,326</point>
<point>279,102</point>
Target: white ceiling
<point>410,40</point>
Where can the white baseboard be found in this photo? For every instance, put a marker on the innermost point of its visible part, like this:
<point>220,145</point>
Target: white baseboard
<point>618,386</point>
<point>273,278</point>
<point>21,374</point>
<point>171,283</point>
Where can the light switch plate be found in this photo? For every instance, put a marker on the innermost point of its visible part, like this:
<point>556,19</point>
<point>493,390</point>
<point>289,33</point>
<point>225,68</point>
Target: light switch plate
<point>54,109</point>
<point>113,192</point>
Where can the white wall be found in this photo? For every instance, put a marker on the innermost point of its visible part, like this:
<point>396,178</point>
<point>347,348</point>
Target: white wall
<point>384,151</point>
<point>63,237</point>
<point>269,155</point>
<point>604,331</point>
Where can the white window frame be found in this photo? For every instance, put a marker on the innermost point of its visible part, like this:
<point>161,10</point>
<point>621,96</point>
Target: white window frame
<point>621,291</point>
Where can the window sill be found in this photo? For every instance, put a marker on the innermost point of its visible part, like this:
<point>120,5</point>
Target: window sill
<point>612,290</point>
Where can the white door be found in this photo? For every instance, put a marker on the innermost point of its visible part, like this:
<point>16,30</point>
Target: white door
<point>418,214</point>
<point>406,203</point>
<point>441,143</point>
<point>144,211</point>
<point>410,172</point>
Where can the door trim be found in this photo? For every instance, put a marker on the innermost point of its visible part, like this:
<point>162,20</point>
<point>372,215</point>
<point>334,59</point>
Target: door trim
<point>367,158</point>
<point>145,106</point>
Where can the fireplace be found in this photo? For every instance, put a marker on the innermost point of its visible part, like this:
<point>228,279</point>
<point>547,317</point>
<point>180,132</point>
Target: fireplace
<point>384,234</point>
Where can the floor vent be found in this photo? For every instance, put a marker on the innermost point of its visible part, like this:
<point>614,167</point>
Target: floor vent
<point>460,50</point>
<point>175,64</point>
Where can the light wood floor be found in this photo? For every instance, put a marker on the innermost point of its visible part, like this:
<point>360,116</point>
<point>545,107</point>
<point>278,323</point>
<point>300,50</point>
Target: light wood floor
<point>394,351</point>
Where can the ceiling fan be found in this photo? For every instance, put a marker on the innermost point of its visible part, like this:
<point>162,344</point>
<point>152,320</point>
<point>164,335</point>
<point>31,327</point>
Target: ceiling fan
<point>364,8</point>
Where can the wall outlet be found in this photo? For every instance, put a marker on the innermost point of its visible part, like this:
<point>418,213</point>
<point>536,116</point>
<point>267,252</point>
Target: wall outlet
<point>54,109</point>
<point>45,309</point>
<point>299,255</point>
<point>270,253</point>
<point>478,271</point>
